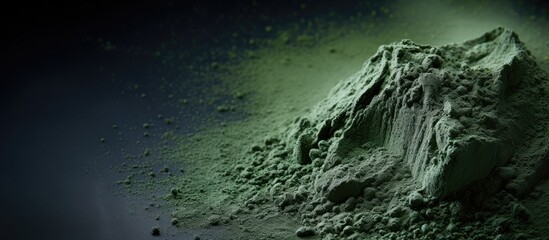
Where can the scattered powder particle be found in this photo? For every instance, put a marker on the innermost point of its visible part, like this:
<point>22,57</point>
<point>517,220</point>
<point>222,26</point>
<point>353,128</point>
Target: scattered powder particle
<point>155,231</point>
<point>305,232</point>
<point>168,121</point>
<point>175,221</point>
<point>222,108</point>
<point>214,220</point>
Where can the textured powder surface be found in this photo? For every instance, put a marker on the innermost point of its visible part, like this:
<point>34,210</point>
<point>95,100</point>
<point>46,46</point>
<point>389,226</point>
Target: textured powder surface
<point>452,113</point>
<point>423,141</point>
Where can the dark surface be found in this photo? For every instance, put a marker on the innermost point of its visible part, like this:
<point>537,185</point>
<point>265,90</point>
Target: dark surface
<point>60,96</point>
<point>56,179</point>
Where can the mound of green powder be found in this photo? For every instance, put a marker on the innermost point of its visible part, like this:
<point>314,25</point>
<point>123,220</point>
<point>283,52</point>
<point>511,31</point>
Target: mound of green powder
<point>407,146</point>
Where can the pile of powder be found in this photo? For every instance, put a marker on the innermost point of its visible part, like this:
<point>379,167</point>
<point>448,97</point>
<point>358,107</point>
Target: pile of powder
<point>423,142</point>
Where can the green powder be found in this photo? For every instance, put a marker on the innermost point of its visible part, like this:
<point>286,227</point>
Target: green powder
<point>395,151</point>
<point>421,142</point>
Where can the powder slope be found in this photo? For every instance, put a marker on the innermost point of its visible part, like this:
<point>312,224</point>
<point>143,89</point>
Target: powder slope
<point>451,113</point>
<point>422,143</point>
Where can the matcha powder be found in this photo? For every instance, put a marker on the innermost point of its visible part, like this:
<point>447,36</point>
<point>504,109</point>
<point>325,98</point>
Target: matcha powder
<point>422,142</point>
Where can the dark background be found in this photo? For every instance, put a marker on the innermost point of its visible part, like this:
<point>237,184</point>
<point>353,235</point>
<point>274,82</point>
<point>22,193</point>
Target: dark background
<point>60,93</point>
